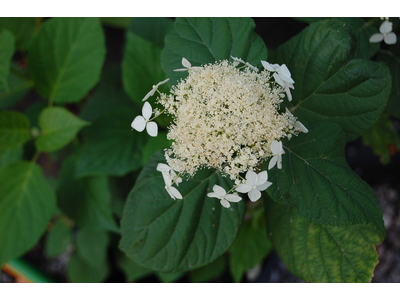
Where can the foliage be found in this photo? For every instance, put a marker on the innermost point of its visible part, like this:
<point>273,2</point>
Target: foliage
<point>109,203</point>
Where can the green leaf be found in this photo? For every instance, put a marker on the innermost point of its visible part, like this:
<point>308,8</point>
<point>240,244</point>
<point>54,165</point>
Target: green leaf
<point>141,66</point>
<point>107,95</point>
<point>153,145</point>
<point>65,70</point>
<point>317,180</point>
<point>392,59</point>
<point>86,201</point>
<point>169,277</point>
<point>111,147</point>
<point>151,29</point>
<point>89,262</point>
<point>381,137</point>
<point>14,130</point>
<point>58,239</point>
<point>329,85</point>
<point>18,87</point>
<point>133,272</point>
<point>10,156</point>
<point>7,49</point>
<point>177,235</point>
<point>249,249</point>
<point>209,272</point>
<point>59,127</point>
<point>206,40</point>
<point>26,205</point>
<point>22,28</point>
<point>322,253</point>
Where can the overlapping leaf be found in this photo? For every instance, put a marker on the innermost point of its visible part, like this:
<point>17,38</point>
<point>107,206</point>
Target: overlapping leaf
<point>66,58</point>
<point>22,29</point>
<point>177,235</point>
<point>59,127</point>
<point>329,85</point>
<point>14,130</point>
<point>322,253</point>
<point>26,205</point>
<point>317,180</point>
<point>206,40</point>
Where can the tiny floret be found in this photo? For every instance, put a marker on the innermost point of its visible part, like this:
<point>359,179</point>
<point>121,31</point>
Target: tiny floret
<point>187,66</point>
<point>154,89</point>
<point>277,151</point>
<point>220,193</point>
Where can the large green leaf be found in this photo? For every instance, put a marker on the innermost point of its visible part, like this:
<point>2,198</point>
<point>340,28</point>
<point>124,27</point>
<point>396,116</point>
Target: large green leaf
<point>177,235</point>
<point>10,156</point>
<point>317,180</point>
<point>89,262</point>
<point>59,127</point>
<point>141,67</point>
<point>66,58</point>
<point>329,84</point>
<point>26,205</point>
<point>392,59</point>
<point>22,28</point>
<point>14,130</point>
<point>206,40</point>
<point>322,253</point>
<point>151,29</point>
<point>7,49</point>
<point>111,147</point>
<point>87,201</point>
<point>58,239</point>
<point>250,247</point>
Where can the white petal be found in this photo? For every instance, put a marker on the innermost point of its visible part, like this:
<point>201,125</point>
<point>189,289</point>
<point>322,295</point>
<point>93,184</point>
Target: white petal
<point>264,186</point>
<point>175,192</point>
<point>186,63</point>
<point>289,95</point>
<point>278,79</point>
<point>244,188</point>
<point>299,126</point>
<point>391,38</point>
<point>167,178</point>
<point>254,195</point>
<point>152,129</point>
<point>267,66</point>
<point>276,147</point>
<point>272,162</point>
<point>149,94</point>
<point>376,38</point>
<point>262,178</point>
<point>163,167</point>
<point>146,111</point>
<point>251,178</point>
<point>212,195</point>
<point>220,191</point>
<point>284,73</point>
<point>279,162</point>
<point>139,123</point>
<point>233,198</point>
<point>180,70</point>
<point>386,27</point>
<point>162,82</point>
<point>196,68</point>
<point>225,203</point>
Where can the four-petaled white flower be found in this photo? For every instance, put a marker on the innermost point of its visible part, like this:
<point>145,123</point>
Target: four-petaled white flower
<point>255,183</point>
<point>277,151</point>
<point>220,193</point>
<point>166,170</point>
<point>187,65</point>
<point>282,76</point>
<point>386,34</point>
<point>154,89</point>
<point>140,122</point>
<point>172,191</point>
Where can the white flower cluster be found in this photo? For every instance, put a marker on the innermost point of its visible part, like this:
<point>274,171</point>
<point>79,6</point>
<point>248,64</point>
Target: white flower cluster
<point>226,117</point>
